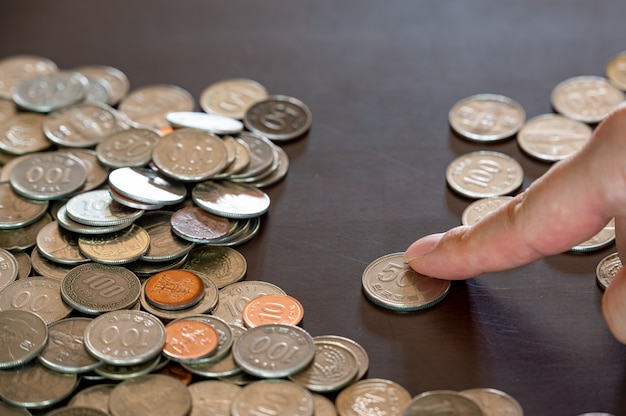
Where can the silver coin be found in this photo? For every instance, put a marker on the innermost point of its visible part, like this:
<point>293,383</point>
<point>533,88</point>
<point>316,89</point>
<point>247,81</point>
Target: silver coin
<point>125,372</point>
<point>69,224</point>
<point>153,394</point>
<point>333,368</point>
<point>211,123</point>
<point>232,97</point>
<point>261,152</point>
<point>274,350</point>
<point>125,337</point>
<point>486,117</point>
<point>117,248</point>
<point>17,211</point>
<point>230,200</point>
<point>246,229</point>
<point>81,125</point>
<point>50,175</point>
<point>97,208</point>
<point>480,208</point>
<point>494,402</point>
<point>40,295</point>
<point>18,68</point>
<point>240,162</point>
<point>127,148</point>
<point>65,351</point>
<point>607,268</point>
<point>357,350</point>
<point>48,92</point>
<point>279,117</point>
<point>23,133</point>
<point>24,237</point>
<point>58,245</point>
<point>145,269</point>
<point>8,268</point>
<point>95,288</point>
<point>283,397</point>
<point>277,173</point>
<point>355,400</point>
<point>586,98</point>
<point>198,226</point>
<point>95,397</point>
<point>146,185</point>
<point>212,397</point>
<point>97,174</point>
<point>235,296</point>
<point>148,106</point>
<point>18,389</point>
<point>164,245</point>
<point>190,155</point>
<point>451,402</point>
<point>132,203</point>
<point>484,173</point>
<point>24,336</point>
<point>551,137</point>
<point>223,265</point>
<point>604,238</point>
<point>116,79</point>
<point>389,282</point>
<point>46,268</point>
<point>98,90</point>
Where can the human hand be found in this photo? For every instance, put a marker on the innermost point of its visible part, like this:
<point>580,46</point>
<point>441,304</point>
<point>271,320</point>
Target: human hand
<point>569,204</point>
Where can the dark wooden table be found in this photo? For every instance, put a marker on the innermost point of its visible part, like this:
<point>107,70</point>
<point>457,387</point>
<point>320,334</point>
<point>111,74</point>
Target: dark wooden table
<point>369,177</point>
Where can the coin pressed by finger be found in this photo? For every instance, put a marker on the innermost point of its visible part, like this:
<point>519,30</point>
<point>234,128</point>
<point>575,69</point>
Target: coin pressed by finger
<point>272,308</point>
<point>480,208</point>
<point>174,289</point>
<point>603,238</point>
<point>189,340</point>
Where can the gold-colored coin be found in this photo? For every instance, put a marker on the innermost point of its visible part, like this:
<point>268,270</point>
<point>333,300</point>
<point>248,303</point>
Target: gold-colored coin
<point>118,248</point>
<point>272,308</point>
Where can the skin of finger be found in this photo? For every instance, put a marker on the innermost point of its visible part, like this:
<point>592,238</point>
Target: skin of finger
<point>614,306</point>
<point>566,206</point>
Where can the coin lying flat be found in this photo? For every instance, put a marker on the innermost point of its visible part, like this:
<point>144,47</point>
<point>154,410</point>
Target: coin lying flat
<point>59,245</point>
<point>17,211</point>
<point>212,397</point>
<point>233,297</point>
<point>272,308</point>
<point>131,147</point>
<point>486,117</point>
<point>607,268</point>
<point>256,397</point>
<point>146,185</point>
<point>279,117</point>
<point>357,350</point>
<point>23,133</point>
<point>116,80</point>
<point>8,268</point>
<point>232,97</point>
<point>18,68</point>
<point>24,336</point>
<point>51,91</point>
<point>215,367</point>
<point>494,402</point>
<point>174,289</point>
<point>164,244</point>
<point>198,226</point>
<point>604,237</point>
<point>189,340</point>
<point>97,208</point>
<point>355,400</point>
<point>480,208</point>
<point>153,394</point>
<point>229,199</point>
<point>389,282</point>
<point>40,295</point>
<point>148,106</point>
<point>447,401</point>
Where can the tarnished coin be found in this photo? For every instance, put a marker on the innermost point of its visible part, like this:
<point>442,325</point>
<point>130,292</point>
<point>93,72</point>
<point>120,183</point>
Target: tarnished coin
<point>46,268</point>
<point>212,123</point>
<point>131,147</point>
<point>125,337</point>
<point>23,133</point>
<point>333,368</point>
<point>164,244</point>
<point>95,397</point>
<point>285,398</point>
<point>50,175</point>
<point>355,400</point>
<point>24,266</point>
<point>146,185</point>
<point>279,117</point>
<point>586,98</point>
<point>121,247</point>
<point>234,297</point>
<point>389,282</point>
<point>604,237</point>
<point>212,397</point>
<point>17,211</point>
<point>261,153</point>
<point>480,208</point>
<point>8,268</point>
<point>24,336</point>
<point>245,229</point>
<point>40,295</point>
<point>148,106</point>
<point>48,92</point>
<point>174,289</point>
<point>18,68</point>
<point>272,308</point>
<point>96,288</point>
<point>97,208</point>
<point>355,348</point>
<point>65,351</point>
<point>24,237</point>
<point>494,402</point>
<point>189,340</point>
<point>229,199</point>
<point>552,137</point>
<point>232,97</point>
<point>223,265</point>
<point>76,411</point>
<point>97,174</point>
<point>607,268</point>
<point>484,173</point>
<point>152,394</point>
<point>190,155</point>
<point>81,125</point>
<point>199,226</point>
<point>486,117</point>
<point>116,80</point>
<point>58,245</point>
<point>274,350</point>
<point>10,410</point>
<point>451,402</point>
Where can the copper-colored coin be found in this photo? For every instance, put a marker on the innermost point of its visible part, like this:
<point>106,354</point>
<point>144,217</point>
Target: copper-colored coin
<point>189,339</point>
<point>174,369</point>
<point>174,289</point>
<point>272,308</point>
<point>196,225</point>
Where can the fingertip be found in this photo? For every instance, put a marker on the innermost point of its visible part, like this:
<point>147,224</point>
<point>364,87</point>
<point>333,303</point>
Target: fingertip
<point>614,306</point>
<point>421,248</point>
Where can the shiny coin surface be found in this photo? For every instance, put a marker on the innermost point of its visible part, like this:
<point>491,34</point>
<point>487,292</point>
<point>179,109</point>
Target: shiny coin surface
<point>261,153</point>
<point>604,237</point>
<point>116,80</point>
<point>152,394</point>
<point>174,289</point>
<point>17,211</point>
<point>279,118</point>
<point>223,265</point>
<point>212,397</point>
<point>607,268</point>
<point>24,337</point>
<point>50,175</point>
<point>121,247</point>
<point>234,297</point>
<point>272,308</point>
<point>277,173</point>
<point>164,244</point>
<point>486,117</point>
<point>484,173</point>
<point>451,402</point>
<point>125,337</point>
<point>65,351</point>
<point>232,97</point>
<point>552,137</point>
<point>222,363</point>
<point>616,70</point>
<point>59,245</point>
<point>586,98</point>
<point>355,400</point>
<point>199,226</point>
<point>274,350</point>
<point>389,282</point>
<point>148,106</point>
<point>189,340</point>
<point>226,337</point>
<point>23,133</point>
<point>494,402</point>
<point>231,200</point>
<point>284,397</point>
<point>146,185</point>
<point>480,208</point>
<point>131,147</point>
<point>212,123</point>
<point>48,92</point>
<point>97,208</point>
<point>355,348</point>
<point>69,224</point>
<point>18,68</point>
<point>40,295</point>
<point>95,288</point>
<point>8,268</point>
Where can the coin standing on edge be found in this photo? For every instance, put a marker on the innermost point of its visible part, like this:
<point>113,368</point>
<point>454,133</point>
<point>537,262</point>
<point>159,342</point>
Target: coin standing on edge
<point>607,268</point>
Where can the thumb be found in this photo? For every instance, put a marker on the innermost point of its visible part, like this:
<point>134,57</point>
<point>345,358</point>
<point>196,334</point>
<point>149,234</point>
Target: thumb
<point>614,306</point>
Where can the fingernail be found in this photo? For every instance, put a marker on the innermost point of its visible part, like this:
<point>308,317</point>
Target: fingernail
<point>421,247</point>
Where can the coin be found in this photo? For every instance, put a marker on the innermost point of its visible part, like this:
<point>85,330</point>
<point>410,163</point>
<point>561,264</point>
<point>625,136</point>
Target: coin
<point>607,268</point>
<point>196,225</point>
<point>494,402</point>
<point>18,68</point>
<point>125,372</point>
<point>116,79</point>
<point>148,106</point>
<point>551,137</point>
<point>276,174</point>
<point>24,237</point>
<point>272,308</point>
<point>212,397</point>
<point>51,91</point>
<point>76,411</point>
<point>323,406</point>
<point>131,147</point>
<point>7,109</point>
<point>10,410</point>
<point>223,265</point>
<point>229,199</point>
<point>481,208</point>
<point>40,295</point>
<point>121,247</point>
<point>59,245</point>
<point>586,98</point>
<point>164,244</point>
<point>146,185</point>
<point>8,268</point>
<point>174,289</point>
<point>95,397</point>
<point>96,173</point>
<point>261,153</point>
<point>232,97</point>
<point>279,117</point>
<point>355,400</point>
<point>357,350</point>
<point>152,394</point>
<point>235,296</point>
<point>69,224</point>
<point>17,211</point>
<point>486,117</point>
<point>23,133</point>
<point>284,397</point>
<point>97,208</point>
<point>603,238</point>
<point>484,173</point>
<point>47,268</point>
<point>451,402</point>
<point>24,336</point>
<point>390,282</point>
<point>189,339</point>
<point>24,265</point>
<point>212,123</point>
<point>226,337</point>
